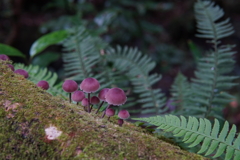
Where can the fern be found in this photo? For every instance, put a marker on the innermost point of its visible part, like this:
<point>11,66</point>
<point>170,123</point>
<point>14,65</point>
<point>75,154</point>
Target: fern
<point>199,131</point>
<point>81,54</point>
<point>207,90</point>
<point>137,67</point>
<point>180,92</point>
<point>37,74</point>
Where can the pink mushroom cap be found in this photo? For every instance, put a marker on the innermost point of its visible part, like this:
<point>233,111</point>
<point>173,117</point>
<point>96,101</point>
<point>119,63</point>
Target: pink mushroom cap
<point>102,93</point>
<point>94,100</point>
<point>89,85</point>
<point>4,57</point>
<point>11,67</point>
<point>21,72</point>
<point>110,112</point>
<point>70,86</point>
<point>43,84</point>
<point>85,102</point>
<point>123,114</point>
<point>120,122</point>
<point>115,96</point>
<point>78,96</point>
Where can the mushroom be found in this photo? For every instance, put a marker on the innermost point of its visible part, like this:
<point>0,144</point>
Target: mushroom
<point>115,96</point>
<point>120,122</point>
<point>22,72</point>
<point>101,96</point>
<point>85,103</point>
<point>110,112</point>
<point>94,100</point>
<point>78,96</point>
<point>88,86</point>
<point>11,67</point>
<point>70,86</point>
<point>43,84</point>
<point>123,114</point>
<point>4,57</point>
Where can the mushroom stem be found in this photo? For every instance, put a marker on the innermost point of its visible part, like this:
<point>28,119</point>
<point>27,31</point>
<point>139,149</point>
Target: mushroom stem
<point>105,110</point>
<point>89,110</point>
<point>108,118</point>
<point>99,107</point>
<point>70,99</point>
<point>77,103</point>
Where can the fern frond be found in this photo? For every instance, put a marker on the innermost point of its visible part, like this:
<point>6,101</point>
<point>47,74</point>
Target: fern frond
<point>211,82</point>
<point>137,68</point>
<point>200,131</point>
<point>207,90</point>
<point>81,54</point>
<point>180,91</point>
<point>207,14</point>
<point>37,74</point>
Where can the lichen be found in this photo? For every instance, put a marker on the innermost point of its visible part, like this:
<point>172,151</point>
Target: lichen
<point>31,110</point>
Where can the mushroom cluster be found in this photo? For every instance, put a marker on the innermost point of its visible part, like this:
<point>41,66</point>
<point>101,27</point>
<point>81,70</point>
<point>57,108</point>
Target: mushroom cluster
<point>114,97</point>
<point>111,96</point>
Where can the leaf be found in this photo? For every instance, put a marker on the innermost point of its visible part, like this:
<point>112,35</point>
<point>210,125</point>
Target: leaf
<point>49,39</point>
<point>10,51</point>
<point>45,59</point>
<point>195,50</point>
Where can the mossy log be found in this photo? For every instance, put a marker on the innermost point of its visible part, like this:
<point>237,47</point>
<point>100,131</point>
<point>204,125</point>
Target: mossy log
<point>26,111</point>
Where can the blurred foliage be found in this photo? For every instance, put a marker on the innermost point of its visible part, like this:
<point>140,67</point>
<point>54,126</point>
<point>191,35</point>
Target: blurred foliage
<point>10,51</point>
<point>46,59</point>
<point>126,22</point>
<point>147,25</point>
<point>47,40</point>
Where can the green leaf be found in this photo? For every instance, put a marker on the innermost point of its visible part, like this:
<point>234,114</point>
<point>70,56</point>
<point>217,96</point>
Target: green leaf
<point>205,145</point>
<point>10,51</point>
<point>47,40</point>
<point>195,50</point>
<point>45,59</point>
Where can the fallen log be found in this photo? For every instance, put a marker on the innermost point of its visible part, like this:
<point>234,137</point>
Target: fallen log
<point>37,125</point>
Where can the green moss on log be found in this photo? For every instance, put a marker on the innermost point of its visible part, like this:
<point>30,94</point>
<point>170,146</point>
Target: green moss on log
<point>26,111</point>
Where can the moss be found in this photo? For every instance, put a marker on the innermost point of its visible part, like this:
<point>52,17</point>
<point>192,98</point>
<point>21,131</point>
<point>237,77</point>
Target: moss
<point>26,111</point>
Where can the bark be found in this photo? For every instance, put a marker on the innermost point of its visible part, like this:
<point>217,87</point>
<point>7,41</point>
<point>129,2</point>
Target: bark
<point>37,125</point>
